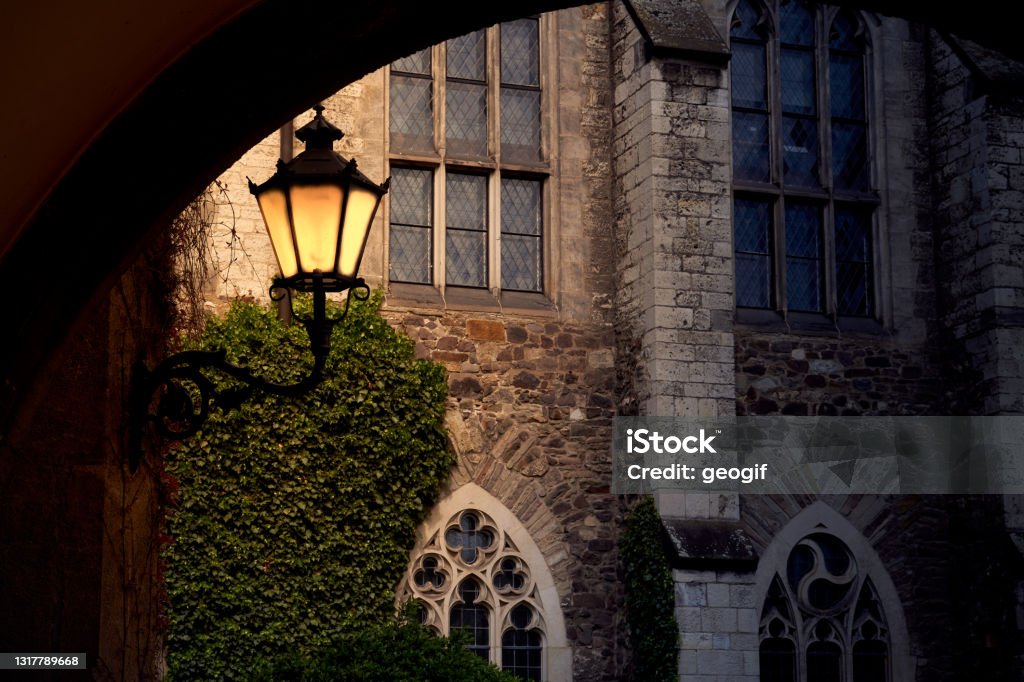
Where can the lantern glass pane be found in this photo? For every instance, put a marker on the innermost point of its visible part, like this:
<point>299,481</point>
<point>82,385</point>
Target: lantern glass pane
<point>316,210</point>
<point>362,203</point>
<point>275,216</point>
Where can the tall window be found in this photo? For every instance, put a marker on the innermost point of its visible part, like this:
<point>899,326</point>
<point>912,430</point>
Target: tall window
<point>804,208</point>
<point>468,162</point>
<point>822,621</point>
<point>470,576</point>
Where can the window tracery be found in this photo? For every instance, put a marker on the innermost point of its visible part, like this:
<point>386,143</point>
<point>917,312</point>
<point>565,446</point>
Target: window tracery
<point>470,575</point>
<point>822,621</point>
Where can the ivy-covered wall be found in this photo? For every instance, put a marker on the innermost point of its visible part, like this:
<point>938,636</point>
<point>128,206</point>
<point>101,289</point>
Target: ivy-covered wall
<point>290,520</point>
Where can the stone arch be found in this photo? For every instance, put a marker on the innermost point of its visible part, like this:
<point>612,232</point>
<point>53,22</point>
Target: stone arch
<point>820,517</point>
<point>471,496</point>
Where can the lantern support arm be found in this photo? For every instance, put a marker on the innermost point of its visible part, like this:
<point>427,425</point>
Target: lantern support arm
<point>177,396</point>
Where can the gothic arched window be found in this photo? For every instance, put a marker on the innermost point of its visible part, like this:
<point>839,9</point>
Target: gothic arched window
<point>470,575</point>
<point>822,621</point>
<point>804,206</point>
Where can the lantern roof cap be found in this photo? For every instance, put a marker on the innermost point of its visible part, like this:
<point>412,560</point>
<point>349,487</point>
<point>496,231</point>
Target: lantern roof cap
<point>319,133</point>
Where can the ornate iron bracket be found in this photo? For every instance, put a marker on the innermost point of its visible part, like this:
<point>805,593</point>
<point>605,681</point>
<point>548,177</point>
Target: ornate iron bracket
<point>176,396</point>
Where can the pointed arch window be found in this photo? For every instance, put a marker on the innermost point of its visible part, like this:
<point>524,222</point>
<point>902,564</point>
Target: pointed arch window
<point>804,206</point>
<point>822,621</point>
<point>471,576</point>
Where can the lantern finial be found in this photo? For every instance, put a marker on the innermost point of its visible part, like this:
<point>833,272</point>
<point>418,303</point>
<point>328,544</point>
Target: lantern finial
<point>319,133</point>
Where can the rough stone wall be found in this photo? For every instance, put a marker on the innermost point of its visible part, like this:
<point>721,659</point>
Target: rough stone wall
<point>783,374</point>
<point>979,199</point>
<point>529,416</point>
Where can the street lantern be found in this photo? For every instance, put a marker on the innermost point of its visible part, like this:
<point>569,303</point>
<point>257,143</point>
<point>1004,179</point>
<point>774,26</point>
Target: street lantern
<point>318,209</point>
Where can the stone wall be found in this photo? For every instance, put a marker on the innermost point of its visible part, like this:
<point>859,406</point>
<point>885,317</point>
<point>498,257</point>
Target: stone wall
<point>783,374</point>
<point>979,200</point>
<point>675,291</point>
<point>529,415</point>
<point>673,229</point>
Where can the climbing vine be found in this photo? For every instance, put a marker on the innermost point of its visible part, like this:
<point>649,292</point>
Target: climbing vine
<point>291,519</point>
<point>650,599</point>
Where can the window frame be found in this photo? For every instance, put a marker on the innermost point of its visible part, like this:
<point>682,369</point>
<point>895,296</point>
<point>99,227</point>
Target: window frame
<point>826,196</point>
<point>441,162</point>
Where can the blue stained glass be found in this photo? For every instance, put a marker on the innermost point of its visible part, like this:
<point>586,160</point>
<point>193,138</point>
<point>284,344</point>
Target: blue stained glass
<point>846,74</point>
<point>752,221</point>
<point>800,151</point>
<point>844,34</point>
<point>853,260</point>
<point>749,80</point>
<point>803,230</point>
<point>796,72</point>
<point>796,23</point>
<point>804,277</point>
<point>849,155</point>
<point>750,150</point>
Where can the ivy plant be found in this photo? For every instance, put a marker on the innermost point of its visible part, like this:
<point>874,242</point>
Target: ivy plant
<point>650,597</point>
<point>399,651</point>
<point>291,519</point>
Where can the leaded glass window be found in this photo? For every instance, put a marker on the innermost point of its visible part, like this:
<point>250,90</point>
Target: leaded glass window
<point>466,95</point>
<point>470,575</point>
<point>472,617</point>
<point>411,103</point>
<point>521,645</point>
<point>521,222</point>
<point>470,110</point>
<point>822,621</point>
<point>520,90</point>
<point>412,220</point>
<point>466,229</point>
<point>804,208</point>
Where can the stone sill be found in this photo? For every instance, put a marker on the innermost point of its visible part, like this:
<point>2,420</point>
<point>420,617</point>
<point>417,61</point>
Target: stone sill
<point>402,296</point>
<point>806,324</point>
